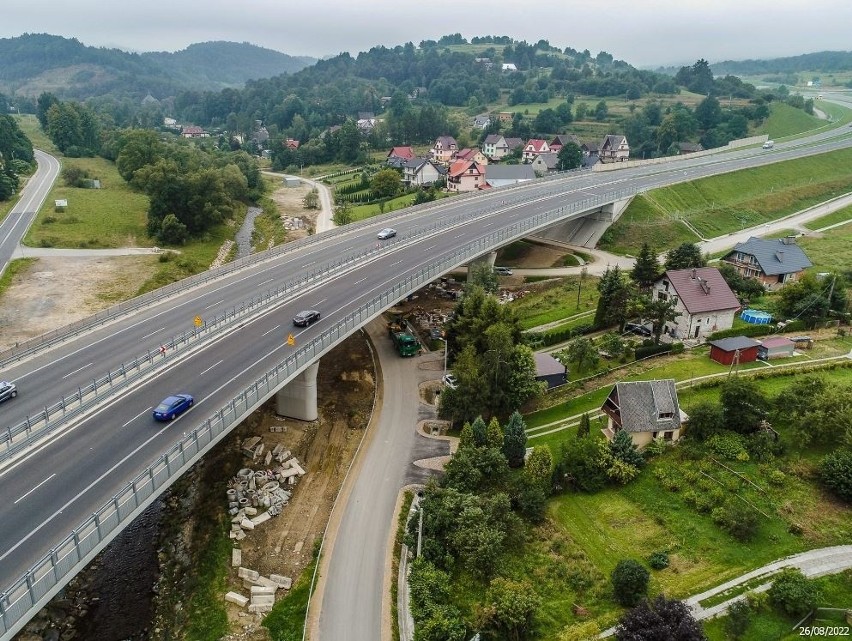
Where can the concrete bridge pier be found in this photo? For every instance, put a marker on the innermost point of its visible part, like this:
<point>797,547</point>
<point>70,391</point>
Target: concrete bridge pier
<point>298,399</point>
<point>585,230</point>
<point>487,259</point>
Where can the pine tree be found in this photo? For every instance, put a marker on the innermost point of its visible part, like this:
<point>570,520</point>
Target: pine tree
<point>494,433</point>
<point>585,426</point>
<point>480,432</point>
<point>647,267</point>
<point>515,440</point>
<point>466,436</point>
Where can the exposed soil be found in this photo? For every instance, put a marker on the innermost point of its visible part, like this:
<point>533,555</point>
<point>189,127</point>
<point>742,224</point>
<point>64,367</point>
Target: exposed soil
<point>289,201</point>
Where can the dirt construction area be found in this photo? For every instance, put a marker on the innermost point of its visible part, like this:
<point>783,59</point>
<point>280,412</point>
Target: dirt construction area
<point>51,292</point>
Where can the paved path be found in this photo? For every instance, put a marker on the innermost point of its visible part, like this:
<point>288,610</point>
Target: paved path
<point>813,563</point>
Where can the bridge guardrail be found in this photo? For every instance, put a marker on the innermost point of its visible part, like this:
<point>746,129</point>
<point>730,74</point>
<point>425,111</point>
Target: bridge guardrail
<point>66,558</point>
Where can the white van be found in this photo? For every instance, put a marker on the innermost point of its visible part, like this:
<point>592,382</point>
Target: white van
<point>769,144</point>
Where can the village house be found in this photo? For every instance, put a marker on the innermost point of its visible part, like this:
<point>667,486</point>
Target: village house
<point>533,148</point>
<point>646,410</point>
<point>465,175</point>
<point>193,132</point>
<point>560,140</point>
<point>705,302</point>
<point>494,147</point>
<point>421,172</point>
<point>444,149</point>
<point>397,156</point>
<point>472,154</point>
<point>773,262</point>
<point>481,121</point>
<point>614,149</point>
<point>542,163</point>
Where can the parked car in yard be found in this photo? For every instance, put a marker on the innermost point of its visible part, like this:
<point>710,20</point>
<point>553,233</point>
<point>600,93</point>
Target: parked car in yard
<point>173,406</point>
<point>7,390</point>
<point>450,381</point>
<point>305,318</point>
<point>502,271</point>
<point>636,328</point>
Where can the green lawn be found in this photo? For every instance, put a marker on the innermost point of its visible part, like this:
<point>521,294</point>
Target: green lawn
<point>832,252</point>
<point>727,203</point>
<point>785,120</point>
<point>113,216</point>
<point>557,301</point>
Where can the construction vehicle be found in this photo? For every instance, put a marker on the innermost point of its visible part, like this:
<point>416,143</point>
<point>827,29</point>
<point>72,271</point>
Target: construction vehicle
<point>403,338</point>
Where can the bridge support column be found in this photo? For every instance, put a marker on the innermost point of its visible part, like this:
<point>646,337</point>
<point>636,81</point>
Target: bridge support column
<point>488,259</point>
<point>298,399</point>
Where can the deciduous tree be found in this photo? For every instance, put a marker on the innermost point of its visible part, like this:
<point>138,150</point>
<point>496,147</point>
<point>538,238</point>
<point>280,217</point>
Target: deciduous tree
<point>629,582</point>
<point>659,619</point>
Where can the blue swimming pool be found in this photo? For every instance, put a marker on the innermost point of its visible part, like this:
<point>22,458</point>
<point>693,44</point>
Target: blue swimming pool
<point>756,317</point>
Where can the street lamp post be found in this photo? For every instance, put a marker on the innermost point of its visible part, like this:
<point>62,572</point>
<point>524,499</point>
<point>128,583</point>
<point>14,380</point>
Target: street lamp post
<point>446,352</point>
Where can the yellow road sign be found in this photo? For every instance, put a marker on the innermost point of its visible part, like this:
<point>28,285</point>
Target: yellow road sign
<point>197,320</point>
<point>291,340</point>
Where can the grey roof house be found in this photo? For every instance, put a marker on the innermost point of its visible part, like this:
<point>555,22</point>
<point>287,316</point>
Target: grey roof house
<point>647,410</point>
<point>773,261</point>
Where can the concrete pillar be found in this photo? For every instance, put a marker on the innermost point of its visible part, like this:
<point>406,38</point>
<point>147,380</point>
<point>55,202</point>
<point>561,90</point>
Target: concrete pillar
<point>488,259</point>
<point>298,399</point>
<point>585,230</point>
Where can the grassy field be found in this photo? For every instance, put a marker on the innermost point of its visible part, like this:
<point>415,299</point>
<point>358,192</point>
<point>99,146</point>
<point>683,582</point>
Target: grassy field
<point>113,216</point>
<point>557,301</point>
<point>32,129</point>
<point>727,203</point>
<point>832,252</point>
<point>785,120</point>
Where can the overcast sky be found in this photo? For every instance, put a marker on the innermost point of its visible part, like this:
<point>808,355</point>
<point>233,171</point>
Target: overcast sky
<point>642,32</point>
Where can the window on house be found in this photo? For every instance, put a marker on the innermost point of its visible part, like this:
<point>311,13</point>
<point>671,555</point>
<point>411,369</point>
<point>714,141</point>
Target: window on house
<point>664,415</point>
<point>662,296</point>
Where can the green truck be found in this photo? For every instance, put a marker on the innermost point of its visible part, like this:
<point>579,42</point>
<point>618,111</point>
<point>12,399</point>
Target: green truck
<point>405,342</point>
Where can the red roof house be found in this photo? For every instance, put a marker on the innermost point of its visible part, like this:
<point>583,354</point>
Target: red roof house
<point>465,175</point>
<point>533,148</point>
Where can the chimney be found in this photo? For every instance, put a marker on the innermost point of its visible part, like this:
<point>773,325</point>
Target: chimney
<point>693,273</point>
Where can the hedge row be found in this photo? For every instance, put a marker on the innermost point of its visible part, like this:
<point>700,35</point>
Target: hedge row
<point>559,335</point>
<point>758,374</point>
<point>644,351</point>
<point>757,330</point>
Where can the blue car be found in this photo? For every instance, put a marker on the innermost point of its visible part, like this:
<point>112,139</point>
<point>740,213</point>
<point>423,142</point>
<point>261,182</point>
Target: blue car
<point>172,407</point>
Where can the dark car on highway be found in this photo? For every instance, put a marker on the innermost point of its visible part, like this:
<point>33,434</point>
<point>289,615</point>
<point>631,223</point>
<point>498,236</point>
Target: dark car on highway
<point>305,318</point>
<point>173,406</point>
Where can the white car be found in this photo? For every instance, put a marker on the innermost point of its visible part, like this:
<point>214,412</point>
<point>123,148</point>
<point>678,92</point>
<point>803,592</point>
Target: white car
<point>7,390</point>
<point>450,381</point>
<point>386,233</point>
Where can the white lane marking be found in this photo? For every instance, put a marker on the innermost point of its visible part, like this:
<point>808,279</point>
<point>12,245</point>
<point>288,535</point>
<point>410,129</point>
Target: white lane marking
<point>358,282</point>
<point>77,370</point>
<point>266,281</point>
<point>428,248</point>
<point>218,302</point>
<point>211,367</point>
<point>269,331</point>
<point>152,333</point>
<point>308,264</point>
<point>320,302</point>
<point>137,416</point>
<point>35,488</point>
<point>459,236</point>
<point>399,262</point>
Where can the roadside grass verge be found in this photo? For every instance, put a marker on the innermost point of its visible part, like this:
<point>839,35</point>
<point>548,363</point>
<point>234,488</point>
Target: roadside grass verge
<point>785,120</point>
<point>29,124</point>
<point>729,202</point>
<point>287,619</point>
<point>839,216</point>
<point>268,230</point>
<point>206,617</point>
<point>401,523</point>
<point>831,252</point>
<point>15,267</point>
<point>113,216</point>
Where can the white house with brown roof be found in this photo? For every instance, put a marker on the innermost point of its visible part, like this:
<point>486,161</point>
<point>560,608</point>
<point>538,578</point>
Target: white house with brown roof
<point>647,410</point>
<point>444,149</point>
<point>473,154</point>
<point>192,131</point>
<point>614,148</point>
<point>703,298</point>
<point>465,175</point>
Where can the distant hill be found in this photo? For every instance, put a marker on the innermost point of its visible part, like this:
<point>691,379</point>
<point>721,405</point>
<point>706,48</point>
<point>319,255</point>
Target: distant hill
<point>228,63</point>
<point>823,61</point>
<point>34,63</point>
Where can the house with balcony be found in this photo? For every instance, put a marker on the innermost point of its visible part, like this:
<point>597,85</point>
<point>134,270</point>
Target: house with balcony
<point>444,149</point>
<point>647,410</point>
<point>465,175</point>
<point>422,172</point>
<point>614,148</point>
<point>774,262</point>
<point>703,299</point>
<point>533,148</point>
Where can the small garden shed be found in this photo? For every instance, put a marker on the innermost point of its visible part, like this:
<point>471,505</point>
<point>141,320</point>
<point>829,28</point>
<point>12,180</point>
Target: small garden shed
<point>725,350</point>
<point>775,347</point>
<point>550,370</point>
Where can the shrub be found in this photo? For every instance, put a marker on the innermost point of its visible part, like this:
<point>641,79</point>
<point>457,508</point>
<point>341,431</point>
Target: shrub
<point>659,560</point>
<point>727,445</point>
<point>793,593</point>
<point>737,519</point>
<point>739,617</point>
<point>651,350</point>
<point>836,473</point>
<point>629,582</point>
<point>757,601</point>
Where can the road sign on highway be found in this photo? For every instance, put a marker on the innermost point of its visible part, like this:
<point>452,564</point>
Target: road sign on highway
<point>197,320</point>
<point>291,340</point>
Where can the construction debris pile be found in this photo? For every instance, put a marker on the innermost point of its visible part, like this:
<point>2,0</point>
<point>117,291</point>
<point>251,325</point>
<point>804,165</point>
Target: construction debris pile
<point>261,588</point>
<point>255,496</point>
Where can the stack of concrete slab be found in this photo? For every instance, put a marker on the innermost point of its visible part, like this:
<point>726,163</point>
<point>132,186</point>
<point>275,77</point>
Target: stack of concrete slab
<point>262,590</point>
